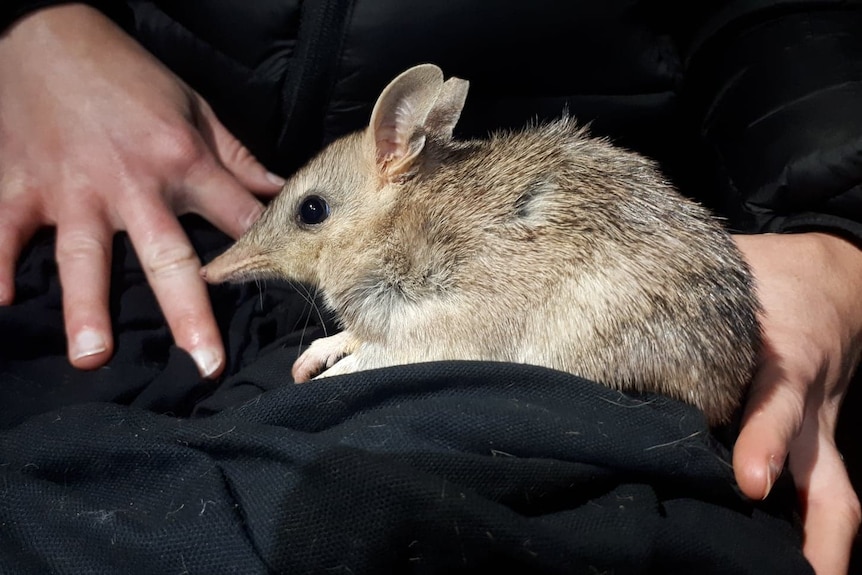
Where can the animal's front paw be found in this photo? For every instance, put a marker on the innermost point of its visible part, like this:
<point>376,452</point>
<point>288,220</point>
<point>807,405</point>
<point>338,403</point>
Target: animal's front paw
<point>321,355</point>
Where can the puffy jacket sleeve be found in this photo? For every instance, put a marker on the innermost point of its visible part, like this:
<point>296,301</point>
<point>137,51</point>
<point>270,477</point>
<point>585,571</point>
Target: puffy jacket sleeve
<point>11,10</point>
<point>776,93</point>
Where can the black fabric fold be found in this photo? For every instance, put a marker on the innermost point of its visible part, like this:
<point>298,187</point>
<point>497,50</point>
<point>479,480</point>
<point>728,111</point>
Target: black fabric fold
<point>430,468</point>
<point>776,96</point>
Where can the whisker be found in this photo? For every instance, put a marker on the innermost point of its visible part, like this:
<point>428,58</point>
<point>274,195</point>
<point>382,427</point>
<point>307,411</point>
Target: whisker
<point>310,301</point>
<point>299,289</point>
<point>317,310</point>
<point>306,297</point>
<point>261,286</point>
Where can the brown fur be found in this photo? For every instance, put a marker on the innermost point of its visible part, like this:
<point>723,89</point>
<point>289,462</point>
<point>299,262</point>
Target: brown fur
<point>541,246</point>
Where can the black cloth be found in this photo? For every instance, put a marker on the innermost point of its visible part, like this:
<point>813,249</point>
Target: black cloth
<point>144,468</point>
<point>774,93</point>
<point>424,469</point>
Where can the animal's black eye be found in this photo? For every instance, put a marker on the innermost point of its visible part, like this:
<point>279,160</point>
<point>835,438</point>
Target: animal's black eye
<point>313,210</point>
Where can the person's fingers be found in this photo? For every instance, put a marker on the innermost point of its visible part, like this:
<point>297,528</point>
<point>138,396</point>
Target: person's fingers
<point>212,192</point>
<point>831,512</point>
<point>773,418</point>
<point>19,220</point>
<point>235,157</point>
<point>84,262</point>
<point>173,270</point>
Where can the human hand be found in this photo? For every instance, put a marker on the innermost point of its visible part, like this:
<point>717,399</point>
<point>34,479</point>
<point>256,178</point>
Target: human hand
<point>810,286</point>
<point>96,136</point>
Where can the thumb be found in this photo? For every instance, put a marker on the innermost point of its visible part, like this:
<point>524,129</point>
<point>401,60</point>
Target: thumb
<point>235,157</point>
<point>773,418</point>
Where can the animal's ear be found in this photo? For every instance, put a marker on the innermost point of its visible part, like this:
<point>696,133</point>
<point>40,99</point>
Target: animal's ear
<point>447,109</point>
<point>414,105</point>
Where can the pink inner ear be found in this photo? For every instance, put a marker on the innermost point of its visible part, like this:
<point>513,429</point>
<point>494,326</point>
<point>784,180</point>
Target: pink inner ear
<point>388,144</point>
<point>392,134</point>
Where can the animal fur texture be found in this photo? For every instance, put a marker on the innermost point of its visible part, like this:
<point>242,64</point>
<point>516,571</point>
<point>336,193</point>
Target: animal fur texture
<point>543,246</point>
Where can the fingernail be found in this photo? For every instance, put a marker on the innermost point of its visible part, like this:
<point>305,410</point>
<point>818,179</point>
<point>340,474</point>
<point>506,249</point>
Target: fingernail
<point>208,361</point>
<point>773,470</point>
<point>277,180</point>
<point>88,342</point>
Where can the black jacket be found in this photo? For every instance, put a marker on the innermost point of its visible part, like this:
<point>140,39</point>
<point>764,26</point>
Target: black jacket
<point>752,106</point>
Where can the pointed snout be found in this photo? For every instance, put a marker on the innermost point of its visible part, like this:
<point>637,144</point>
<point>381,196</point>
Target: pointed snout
<point>212,274</point>
<point>207,275</point>
<point>236,264</point>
